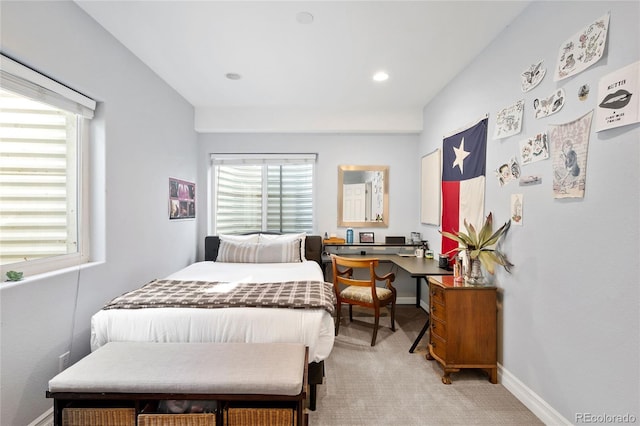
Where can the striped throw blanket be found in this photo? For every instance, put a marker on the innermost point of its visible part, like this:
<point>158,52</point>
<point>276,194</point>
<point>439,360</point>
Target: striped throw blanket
<point>204,294</point>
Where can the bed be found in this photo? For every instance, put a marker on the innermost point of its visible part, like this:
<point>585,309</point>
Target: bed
<point>264,264</point>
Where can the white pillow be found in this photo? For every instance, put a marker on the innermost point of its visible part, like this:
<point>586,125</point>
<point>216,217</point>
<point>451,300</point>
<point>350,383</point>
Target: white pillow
<point>251,238</point>
<point>287,237</point>
<point>265,252</point>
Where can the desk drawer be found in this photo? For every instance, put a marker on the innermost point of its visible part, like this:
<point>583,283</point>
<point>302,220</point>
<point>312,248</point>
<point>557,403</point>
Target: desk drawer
<point>437,311</point>
<point>438,347</point>
<point>439,329</point>
<point>436,294</point>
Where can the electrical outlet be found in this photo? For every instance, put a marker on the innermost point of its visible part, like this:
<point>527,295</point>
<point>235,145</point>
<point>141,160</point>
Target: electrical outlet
<point>63,361</point>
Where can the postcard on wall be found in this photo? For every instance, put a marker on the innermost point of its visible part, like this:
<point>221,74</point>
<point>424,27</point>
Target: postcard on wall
<point>569,145</point>
<point>583,49</point>
<point>550,105</point>
<point>583,92</point>
<point>182,199</point>
<point>516,209</point>
<point>508,172</point>
<point>619,103</point>
<point>530,180</point>
<point>533,76</point>
<point>509,120</point>
<point>534,149</point>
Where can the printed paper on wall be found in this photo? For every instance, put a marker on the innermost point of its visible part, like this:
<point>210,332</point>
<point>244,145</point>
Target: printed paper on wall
<point>569,145</point>
<point>516,209</point>
<point>583,49</point>
<point>530,180</point>
<point>508,172</point>
<point>509,120</point>
<point>534,149</point>
<point>618,100</point>
<point>550,105</point>
<point>533,76</point>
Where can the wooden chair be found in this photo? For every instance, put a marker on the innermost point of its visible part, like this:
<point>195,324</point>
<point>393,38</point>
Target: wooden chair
<point>362,292</point>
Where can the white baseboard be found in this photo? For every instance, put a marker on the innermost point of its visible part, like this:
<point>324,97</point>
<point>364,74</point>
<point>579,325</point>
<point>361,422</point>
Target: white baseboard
<point>530,399</point>
<point>424,305</point>
<point>45,419</point>
<point>406,300</point>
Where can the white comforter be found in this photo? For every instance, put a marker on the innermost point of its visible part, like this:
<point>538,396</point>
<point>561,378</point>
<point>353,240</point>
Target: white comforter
<point>313,327</point>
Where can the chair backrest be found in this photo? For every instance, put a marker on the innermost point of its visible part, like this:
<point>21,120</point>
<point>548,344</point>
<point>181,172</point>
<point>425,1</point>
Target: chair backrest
<point>343,271</point>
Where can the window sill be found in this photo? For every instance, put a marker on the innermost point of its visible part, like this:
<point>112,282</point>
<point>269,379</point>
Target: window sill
<point>46,275</point>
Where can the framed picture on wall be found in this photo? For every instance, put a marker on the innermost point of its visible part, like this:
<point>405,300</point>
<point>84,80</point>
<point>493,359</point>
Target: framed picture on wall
<point>182,199</point>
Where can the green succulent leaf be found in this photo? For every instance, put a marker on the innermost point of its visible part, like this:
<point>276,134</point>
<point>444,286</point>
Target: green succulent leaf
<point>485,231</point>
<point>471,231</point>
<point>452,236</point>
<point>487,261</point>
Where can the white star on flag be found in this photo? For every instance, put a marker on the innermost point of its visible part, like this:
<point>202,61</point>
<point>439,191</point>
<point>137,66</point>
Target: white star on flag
<point>461,154</point>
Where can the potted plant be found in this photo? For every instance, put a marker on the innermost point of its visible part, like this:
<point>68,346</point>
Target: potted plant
<point>14,276</point>
<point>479,248</point>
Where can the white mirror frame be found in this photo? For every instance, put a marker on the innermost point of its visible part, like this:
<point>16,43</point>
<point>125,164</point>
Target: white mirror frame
<point>385,188</point>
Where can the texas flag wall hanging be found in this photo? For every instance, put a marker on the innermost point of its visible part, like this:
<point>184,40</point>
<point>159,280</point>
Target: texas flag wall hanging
<point>463,180</point>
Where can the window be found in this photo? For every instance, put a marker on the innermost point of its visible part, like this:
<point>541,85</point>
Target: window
<point>263,192</point>
<point>43,138</point>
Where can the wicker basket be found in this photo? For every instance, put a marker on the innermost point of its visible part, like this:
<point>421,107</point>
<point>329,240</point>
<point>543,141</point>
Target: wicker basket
<point>204,419</point>
<point>259,417</point>
<point>99,416</point>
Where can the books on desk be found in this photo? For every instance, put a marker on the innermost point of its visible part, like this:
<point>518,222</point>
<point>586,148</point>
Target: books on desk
<point>333,240</point>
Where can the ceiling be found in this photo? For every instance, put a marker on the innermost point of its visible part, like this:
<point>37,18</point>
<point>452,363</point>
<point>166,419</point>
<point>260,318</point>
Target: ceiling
<point>305,66</point>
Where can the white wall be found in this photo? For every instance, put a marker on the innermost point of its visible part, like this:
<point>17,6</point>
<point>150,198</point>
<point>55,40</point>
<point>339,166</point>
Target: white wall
<point>142,135</point>
<point>569,313</point>
<point>396,151</point>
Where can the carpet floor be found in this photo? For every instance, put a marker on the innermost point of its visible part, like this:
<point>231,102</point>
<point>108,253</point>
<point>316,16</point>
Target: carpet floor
<point>387,385</point>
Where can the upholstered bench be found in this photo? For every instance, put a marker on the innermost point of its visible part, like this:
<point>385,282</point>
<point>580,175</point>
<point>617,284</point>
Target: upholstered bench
<point>132,374</point>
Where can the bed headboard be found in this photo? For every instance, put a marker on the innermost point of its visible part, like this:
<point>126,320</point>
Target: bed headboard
<point>313,248</point>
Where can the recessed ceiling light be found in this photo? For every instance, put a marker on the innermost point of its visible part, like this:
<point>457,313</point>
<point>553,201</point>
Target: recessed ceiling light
<point>304,18</point>
<point>380,76</point>
<point>233,76</point>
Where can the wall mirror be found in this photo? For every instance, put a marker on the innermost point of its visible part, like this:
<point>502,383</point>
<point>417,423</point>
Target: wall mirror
<point>363,196</point>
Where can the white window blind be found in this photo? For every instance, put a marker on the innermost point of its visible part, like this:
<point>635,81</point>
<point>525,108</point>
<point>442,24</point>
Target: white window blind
<point>263,192</point>
<point>238,199</point>
<point>42,128</point>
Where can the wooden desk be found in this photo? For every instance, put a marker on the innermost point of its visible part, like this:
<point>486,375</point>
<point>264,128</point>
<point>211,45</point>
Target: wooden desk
<point>419,268</point>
